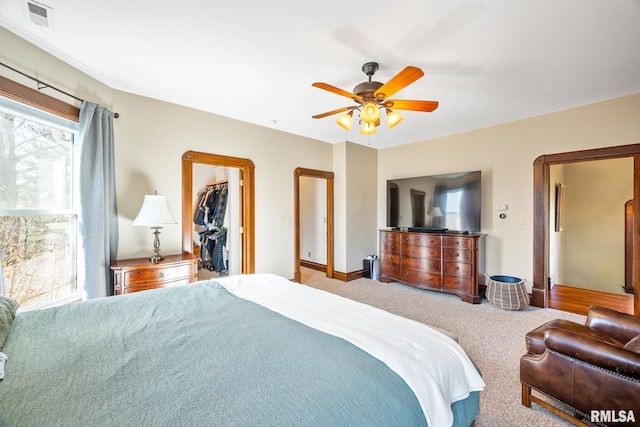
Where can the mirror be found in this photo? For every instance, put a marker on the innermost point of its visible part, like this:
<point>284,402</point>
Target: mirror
<point>247,220</point>
<point>541,214</point>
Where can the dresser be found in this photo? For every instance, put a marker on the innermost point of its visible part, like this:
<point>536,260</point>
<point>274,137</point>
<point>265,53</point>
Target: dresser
<point>133,275</point>
<point>442,262</point>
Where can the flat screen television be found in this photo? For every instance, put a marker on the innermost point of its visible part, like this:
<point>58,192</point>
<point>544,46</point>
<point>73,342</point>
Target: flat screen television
<point>449,202</point>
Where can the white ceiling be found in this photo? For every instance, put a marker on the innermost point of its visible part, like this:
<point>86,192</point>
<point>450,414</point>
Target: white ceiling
<point>486,61</point>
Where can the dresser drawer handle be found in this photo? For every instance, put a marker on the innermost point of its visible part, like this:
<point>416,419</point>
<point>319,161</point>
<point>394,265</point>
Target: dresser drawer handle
<point>457,268</point>
<point>457,282</point>
<point>431,265</point>
<point>161,275</point>
<point>431,279</point>
<point>406,274</point>
<point>457,254</point>
<point>431,253</point>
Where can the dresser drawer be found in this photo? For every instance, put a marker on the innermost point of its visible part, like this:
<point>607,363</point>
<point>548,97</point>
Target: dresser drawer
<point>391,271</point>
<point>421,239</point>
<point>461,255</point>
<point>389,258</point>
<point>390,246</point>
<point>457,242</point>
<point>457,269</point>
<point>454,282</point>
<point>421,251</point>
<point>390,236</point>
<point>420,278</point>
<point>425,264</point>
<point>155,285</point>
<point>160,274</point>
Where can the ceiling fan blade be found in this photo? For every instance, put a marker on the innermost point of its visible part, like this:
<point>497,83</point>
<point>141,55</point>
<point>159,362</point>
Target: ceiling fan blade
<point>331,113</point>
<point>400,104</point>
<point>338,91</point>
<point>398,82</point>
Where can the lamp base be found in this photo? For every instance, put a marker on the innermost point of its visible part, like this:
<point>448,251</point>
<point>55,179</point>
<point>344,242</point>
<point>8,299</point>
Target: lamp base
<point>156,257</point>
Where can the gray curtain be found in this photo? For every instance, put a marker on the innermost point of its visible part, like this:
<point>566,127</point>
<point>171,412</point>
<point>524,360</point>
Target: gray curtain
<point>98,224</point>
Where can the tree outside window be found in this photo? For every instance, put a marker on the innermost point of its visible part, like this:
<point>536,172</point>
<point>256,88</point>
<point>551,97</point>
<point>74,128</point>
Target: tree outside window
<point>37,213</point>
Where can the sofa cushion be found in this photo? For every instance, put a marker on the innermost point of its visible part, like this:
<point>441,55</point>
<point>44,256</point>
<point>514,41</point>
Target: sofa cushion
<point>633,345</point>
<point>535,338</point>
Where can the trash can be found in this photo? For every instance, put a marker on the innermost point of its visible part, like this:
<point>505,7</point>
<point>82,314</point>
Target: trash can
<point>371,267</point>
<point>507,292</point>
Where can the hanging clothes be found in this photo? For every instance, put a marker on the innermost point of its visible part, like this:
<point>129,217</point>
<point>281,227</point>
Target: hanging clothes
<point>209,214</point>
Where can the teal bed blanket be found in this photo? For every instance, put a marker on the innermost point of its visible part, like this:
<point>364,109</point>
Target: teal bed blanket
<point>194,355</point>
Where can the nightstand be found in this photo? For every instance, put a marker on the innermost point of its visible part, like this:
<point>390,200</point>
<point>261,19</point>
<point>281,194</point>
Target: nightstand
<point>133,275</point>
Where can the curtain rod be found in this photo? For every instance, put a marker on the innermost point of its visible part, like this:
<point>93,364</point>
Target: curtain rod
<point>43,85</point>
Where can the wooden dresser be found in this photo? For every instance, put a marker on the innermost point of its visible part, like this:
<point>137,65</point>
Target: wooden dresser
<point>443,262</point>
<point>133,275</point>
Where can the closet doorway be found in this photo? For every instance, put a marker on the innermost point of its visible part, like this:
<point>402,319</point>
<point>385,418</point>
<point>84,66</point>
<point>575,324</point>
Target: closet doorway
<point>245,169</point>
<point>299,174</point>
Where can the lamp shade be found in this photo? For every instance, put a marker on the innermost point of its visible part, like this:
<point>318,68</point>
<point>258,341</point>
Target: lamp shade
<point>393,118</point>
<point>370,112</point>
<point>154,212</point>
<point>345,120</point>
<point>436,212</point>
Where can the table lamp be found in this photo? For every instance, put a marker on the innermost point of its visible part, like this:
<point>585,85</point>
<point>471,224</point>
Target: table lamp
<point>155,213</point>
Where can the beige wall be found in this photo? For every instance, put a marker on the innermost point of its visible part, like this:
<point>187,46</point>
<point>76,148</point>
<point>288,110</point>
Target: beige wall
<point>593,235</point>
<point>505,154</point>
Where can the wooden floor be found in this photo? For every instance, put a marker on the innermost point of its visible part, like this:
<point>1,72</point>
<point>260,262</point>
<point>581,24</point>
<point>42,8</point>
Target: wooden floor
<point>576,300</point>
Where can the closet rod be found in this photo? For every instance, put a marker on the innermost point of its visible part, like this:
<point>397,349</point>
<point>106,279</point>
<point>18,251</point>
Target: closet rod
<point>43,85</point>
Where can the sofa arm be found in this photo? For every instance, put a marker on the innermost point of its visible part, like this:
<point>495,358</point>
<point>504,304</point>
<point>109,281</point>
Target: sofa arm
<point>593,351</point>
<point>621,326</point>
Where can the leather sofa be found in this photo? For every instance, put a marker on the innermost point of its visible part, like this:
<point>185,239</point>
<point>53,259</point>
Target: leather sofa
<point>592,369</point>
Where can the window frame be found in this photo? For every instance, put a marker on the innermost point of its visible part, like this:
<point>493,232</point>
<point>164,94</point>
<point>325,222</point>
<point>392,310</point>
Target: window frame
<point>24,100</point>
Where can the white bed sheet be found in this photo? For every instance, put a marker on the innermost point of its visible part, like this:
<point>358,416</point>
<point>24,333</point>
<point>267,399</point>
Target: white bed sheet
<point>434,366</point>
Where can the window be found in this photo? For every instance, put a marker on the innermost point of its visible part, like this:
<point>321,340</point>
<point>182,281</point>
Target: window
<point>38,212</point>
<point>453,208</point>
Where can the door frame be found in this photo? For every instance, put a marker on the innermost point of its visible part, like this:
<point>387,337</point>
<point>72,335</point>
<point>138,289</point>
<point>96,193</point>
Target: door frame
<point>328,176</point>
<point>541,196</point>
<point>247,180</point>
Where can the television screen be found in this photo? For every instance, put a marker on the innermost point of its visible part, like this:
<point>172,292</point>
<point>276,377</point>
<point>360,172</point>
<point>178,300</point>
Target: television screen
<point>435,203</point>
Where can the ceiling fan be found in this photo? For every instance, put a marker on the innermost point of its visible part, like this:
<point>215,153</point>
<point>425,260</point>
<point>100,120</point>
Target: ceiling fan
<point>371,97</point>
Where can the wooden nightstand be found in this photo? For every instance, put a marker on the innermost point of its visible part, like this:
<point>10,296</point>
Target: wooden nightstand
<point>133,275</point>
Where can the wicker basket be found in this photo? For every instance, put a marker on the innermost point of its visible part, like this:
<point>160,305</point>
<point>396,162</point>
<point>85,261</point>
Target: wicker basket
<point>507,292</point>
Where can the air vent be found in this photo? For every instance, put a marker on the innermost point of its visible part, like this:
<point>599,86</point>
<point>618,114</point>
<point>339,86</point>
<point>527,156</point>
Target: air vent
<point>38,13</point>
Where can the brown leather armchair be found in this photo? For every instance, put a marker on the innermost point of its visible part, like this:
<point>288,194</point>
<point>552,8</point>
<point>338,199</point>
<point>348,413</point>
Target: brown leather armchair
<point>590,367</point>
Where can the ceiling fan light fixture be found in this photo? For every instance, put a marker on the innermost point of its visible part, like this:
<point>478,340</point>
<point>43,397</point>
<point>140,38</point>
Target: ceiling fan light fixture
<point>393,118</point>
<point>345,120</point>
<point>368,128</point>
<point>370,112</point>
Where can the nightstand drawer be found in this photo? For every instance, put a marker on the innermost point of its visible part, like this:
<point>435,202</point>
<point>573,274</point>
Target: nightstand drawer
<point>159,273</point>
<point>155,285</point>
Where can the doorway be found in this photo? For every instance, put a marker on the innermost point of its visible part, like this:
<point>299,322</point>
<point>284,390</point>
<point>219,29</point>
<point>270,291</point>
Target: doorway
<point>542,197</point>
<point>328,176</point>
<point>247,210</point>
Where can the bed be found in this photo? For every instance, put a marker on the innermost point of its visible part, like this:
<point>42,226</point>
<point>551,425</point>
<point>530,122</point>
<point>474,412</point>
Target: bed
<point>238,351</point>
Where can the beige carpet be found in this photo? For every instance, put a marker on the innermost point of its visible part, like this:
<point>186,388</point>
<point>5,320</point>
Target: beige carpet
<point>492,337</point>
